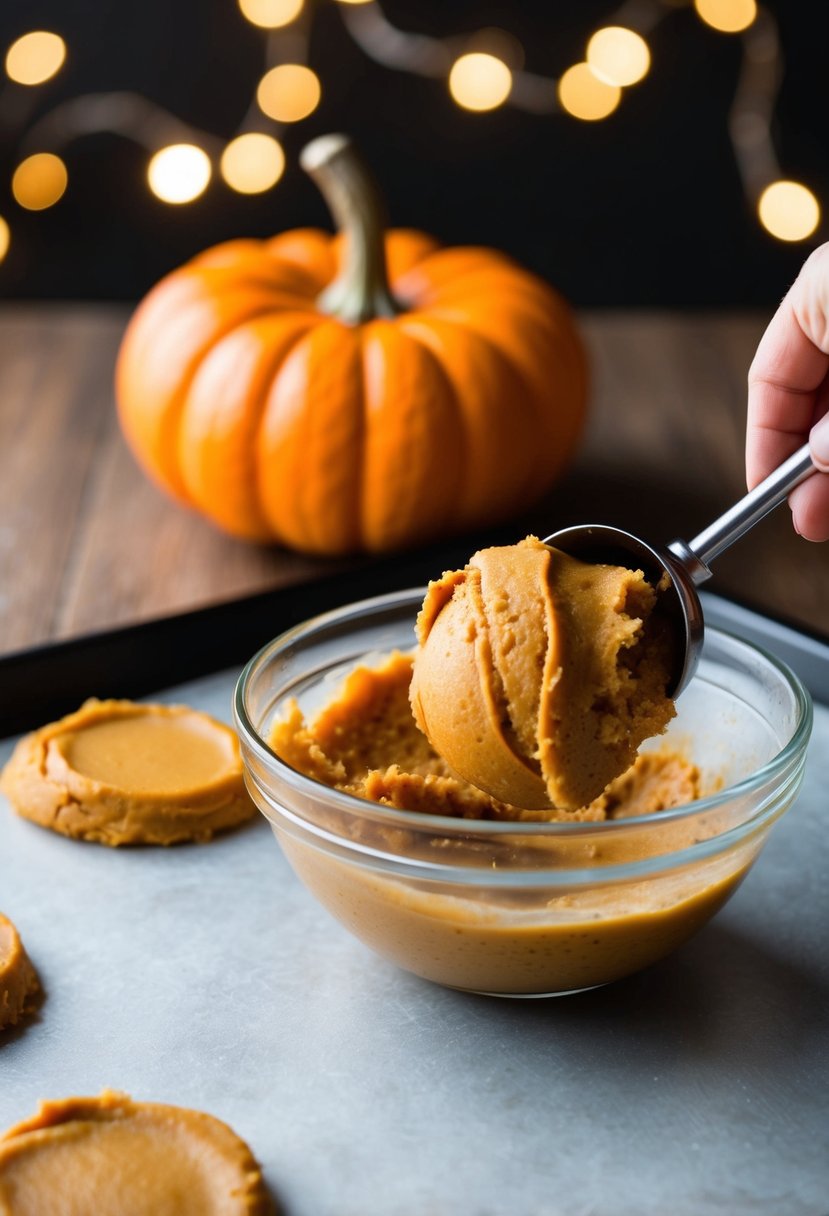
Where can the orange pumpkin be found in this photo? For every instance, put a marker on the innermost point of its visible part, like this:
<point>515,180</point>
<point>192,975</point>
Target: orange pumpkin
<point>355,392</point>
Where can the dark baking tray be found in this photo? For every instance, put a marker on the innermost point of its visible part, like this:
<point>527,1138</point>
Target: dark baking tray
<point>44,682</point>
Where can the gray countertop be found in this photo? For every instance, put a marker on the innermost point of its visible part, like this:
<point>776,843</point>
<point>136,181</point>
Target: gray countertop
<point>205,976</point>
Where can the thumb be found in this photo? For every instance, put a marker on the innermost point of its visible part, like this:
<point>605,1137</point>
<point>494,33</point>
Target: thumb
<point>819,444</point>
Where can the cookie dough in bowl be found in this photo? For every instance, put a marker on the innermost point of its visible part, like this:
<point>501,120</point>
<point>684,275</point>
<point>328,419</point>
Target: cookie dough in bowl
<point>121,772</point>
<point>538,676</point>
<point>501,900</point>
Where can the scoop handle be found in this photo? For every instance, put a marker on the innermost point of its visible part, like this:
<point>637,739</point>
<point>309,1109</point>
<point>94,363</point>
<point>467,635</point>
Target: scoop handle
<point>698,554</point>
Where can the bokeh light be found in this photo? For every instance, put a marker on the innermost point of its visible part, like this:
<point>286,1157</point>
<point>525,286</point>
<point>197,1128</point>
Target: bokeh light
<point>728,16</point>
<point>585,96</point>
<point>179,173</point>
<point>252,163</point>
<point>618,55</point>
<point>479,81</point>
<point>5,238</point>
<point>289,92</point>
<point>39,181</point>
<point>35,57</point>
<point>789,211</point>
<point>271,14</point>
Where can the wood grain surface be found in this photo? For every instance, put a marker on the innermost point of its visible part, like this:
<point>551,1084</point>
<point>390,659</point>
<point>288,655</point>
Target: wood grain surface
<point>87,542</point>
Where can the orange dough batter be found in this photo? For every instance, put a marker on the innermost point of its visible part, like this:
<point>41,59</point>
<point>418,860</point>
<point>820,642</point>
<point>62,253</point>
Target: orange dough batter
<point>366,742</point>
<point>538,676</point>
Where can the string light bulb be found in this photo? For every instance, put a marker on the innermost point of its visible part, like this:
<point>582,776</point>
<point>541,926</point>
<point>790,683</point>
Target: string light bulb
<point>271,14</point>
<point>727,16</point>
<point>252,162</point>
<point>35,57</point>
<point>479,81</point>
<point>289,92</point>
<point>788,210</point>
<point>179,173</point>
<point>615,58</point>
<point>618,55</point>
<point>585,96</point>
<point>39,181</point>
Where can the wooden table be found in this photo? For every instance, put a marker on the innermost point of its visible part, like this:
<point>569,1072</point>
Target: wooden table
<point>87,543</point>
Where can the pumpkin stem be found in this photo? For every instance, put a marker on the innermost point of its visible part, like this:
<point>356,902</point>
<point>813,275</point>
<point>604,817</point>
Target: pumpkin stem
<point>360,292</point>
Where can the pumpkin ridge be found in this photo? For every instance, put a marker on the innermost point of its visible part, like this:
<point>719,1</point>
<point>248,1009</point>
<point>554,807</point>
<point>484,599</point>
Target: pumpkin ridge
<point>560,422</point>
<point>411,450</point>
<point>426,278</point>
<point>269,384</point>
<point>174,302</point>
<point>488,447</point>
<point>307,439</point>
<point>307,249</point>
<point>363,332</point>
<point>310,517</point>
<point>248,276</point>
<point>409,323</point>
<point>249,358</point>
<point>249,263</point>
<point>504,289</point>
<point>178,402</point>
<point>536,482</point>
<point>406,250</point>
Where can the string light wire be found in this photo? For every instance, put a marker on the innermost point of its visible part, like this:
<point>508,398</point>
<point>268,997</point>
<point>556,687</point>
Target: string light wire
<point>499,78</point>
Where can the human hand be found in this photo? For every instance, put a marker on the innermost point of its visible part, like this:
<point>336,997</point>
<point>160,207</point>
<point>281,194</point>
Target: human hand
<point>788,394</point>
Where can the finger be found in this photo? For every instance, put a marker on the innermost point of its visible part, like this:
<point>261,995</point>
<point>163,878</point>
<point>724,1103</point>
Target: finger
<point>810,507</point>
<point>819,434</point>
<point>790,365</point>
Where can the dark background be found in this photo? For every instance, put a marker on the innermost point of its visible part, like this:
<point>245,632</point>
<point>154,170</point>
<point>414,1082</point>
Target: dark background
<point>643,208</point>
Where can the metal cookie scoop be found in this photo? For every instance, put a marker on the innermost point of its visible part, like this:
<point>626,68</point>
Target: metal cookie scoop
<point>686,563</point>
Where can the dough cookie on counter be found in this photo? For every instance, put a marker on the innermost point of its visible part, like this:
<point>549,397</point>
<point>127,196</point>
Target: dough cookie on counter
<point>111,1156</point>
<point>18,980</point>
<point>118,772</point>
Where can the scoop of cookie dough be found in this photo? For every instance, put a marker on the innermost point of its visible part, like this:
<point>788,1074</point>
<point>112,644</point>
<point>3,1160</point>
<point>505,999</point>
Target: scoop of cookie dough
<point>111,1156</point>
<point>18,980</point>
<point>538,676</point>
<point>119,772</point>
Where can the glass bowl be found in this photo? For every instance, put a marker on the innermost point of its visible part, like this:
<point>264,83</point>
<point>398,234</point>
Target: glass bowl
<point>526,909</point>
